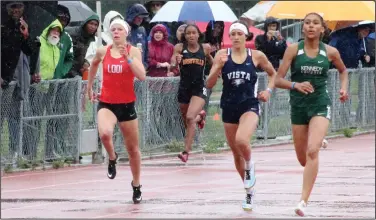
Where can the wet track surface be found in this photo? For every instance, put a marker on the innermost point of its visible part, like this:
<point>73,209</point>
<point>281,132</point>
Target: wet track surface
<point>207,187</point>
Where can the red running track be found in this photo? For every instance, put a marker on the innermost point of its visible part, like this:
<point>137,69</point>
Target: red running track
<point>207,187</point>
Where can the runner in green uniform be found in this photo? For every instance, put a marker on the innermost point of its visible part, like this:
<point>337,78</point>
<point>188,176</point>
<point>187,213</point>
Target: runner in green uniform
<point>309,99</point>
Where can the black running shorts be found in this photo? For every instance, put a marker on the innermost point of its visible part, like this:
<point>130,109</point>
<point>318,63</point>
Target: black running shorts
<point>123,112</point>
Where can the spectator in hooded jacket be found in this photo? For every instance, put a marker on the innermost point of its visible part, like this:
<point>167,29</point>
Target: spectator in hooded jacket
<point>135,16</point>
<point>82,36</point>
<point>65,44</point>
<point>160,52</point>
<point>271,42</point>
<point>153,7</point>
<point>49,49</point>
<point>108,18</point>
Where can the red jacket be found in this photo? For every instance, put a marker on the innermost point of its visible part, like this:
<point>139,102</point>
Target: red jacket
<point>159,52</point>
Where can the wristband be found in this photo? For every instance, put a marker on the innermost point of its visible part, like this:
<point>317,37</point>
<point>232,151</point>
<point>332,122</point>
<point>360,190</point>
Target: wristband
<point>293,84</point>
<point>270,90</point>
<point>129,60</point>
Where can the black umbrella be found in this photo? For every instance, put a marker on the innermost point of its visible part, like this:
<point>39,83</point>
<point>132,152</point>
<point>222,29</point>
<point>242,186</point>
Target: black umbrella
<point>78,10</point>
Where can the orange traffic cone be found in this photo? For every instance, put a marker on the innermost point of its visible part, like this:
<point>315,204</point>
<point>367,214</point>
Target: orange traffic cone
<point>216,117</point>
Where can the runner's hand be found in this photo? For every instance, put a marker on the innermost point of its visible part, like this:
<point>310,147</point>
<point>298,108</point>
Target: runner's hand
<point>264,96</point>
<point>343,96</point>
<point>304,87</point>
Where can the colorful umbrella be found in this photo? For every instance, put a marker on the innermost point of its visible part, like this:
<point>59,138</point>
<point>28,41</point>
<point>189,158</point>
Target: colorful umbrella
<point>203,11</point>
<point>226,39</point>
<point>330,10</point>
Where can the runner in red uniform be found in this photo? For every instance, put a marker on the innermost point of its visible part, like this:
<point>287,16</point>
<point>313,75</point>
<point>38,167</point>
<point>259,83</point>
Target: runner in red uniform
<point>121,64</point>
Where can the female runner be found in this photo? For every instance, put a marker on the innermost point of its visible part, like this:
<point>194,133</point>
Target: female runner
<point>121,64</point>
<point>191,55</point>
<point>309,60</point>
<point>240,99</point>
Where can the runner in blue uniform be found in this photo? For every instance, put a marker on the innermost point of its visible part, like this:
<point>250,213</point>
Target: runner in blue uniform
<point>240,99</point>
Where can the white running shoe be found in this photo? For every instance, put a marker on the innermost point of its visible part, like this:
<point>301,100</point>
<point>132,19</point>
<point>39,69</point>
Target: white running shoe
<point>324,144</point>
<point>248,201</point>
<point>250,177</point>
<point>299,210</point>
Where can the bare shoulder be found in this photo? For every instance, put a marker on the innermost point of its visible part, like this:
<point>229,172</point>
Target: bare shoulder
<point>258,54</point>
<point>293,47</point>
<point>134,50</point>
<point>101,51</point>
<point>331,51</point>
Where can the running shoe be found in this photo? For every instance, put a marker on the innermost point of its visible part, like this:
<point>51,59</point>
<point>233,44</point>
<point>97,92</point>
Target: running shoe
<point>112,167</point>
<point>183,156</point>
<point>137,198</point>
<point>299,210</point>
<point>248,201</point>
<point>201,123</point>
<point>250,177</point>
<point>324,144</point>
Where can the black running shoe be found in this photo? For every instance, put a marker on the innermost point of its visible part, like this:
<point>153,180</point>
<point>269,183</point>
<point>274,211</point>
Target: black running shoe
<point>137,198</point>
<point>112,168</point>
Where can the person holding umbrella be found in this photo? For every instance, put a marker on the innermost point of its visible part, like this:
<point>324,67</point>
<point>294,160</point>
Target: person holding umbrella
<point>240,99</point>
<point>310,103</point>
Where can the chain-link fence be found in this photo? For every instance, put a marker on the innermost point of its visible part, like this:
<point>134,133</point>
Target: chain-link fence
<point>55,120</point>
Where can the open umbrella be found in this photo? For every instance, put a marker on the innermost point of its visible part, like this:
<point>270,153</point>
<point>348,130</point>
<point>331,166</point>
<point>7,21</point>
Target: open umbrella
<point>259,11</point>
<point>330,10</point>
<point>226,42</point>
<point>78,10</point>
<point>370,24</point>
<point>203,11</point>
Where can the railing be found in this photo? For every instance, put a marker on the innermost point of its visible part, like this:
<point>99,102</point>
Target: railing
<point>55,120</point>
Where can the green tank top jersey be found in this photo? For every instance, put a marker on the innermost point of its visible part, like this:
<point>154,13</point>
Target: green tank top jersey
<point>313,70</point>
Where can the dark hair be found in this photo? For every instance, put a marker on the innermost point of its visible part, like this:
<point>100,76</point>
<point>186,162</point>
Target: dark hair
<point>200,35</point>
<point>249,35</point>
<point>209,33</point>
<point>326,29</point>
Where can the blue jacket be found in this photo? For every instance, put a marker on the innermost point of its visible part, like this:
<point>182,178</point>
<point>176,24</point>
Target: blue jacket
<point>349,46</point>
<point>138,33</point>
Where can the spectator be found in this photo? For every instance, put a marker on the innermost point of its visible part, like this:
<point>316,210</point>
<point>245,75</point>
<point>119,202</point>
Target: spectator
<point>213,37</point>
<point>82,36</point>
<point>14,39</point>
<point>179,32</point>
<point>106,34</point>
<point>349,44</point>
<point>15,46</point>
<point>135,16</point>
<point>271,42</point>
<point>369,44</point>
<point>65,45</point>
<point>49,49</point>
<point>160,53</point>
<point>153,7</point>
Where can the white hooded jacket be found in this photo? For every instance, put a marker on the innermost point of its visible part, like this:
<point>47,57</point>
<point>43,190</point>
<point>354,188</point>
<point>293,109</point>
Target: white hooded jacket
<point>106,34</point>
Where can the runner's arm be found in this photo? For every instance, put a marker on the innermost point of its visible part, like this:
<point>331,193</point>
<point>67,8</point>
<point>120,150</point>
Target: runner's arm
<point>280,81</point>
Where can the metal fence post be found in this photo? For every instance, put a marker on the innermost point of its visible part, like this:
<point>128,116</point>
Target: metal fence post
<point>20,130</point>
<point>79,112</point>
